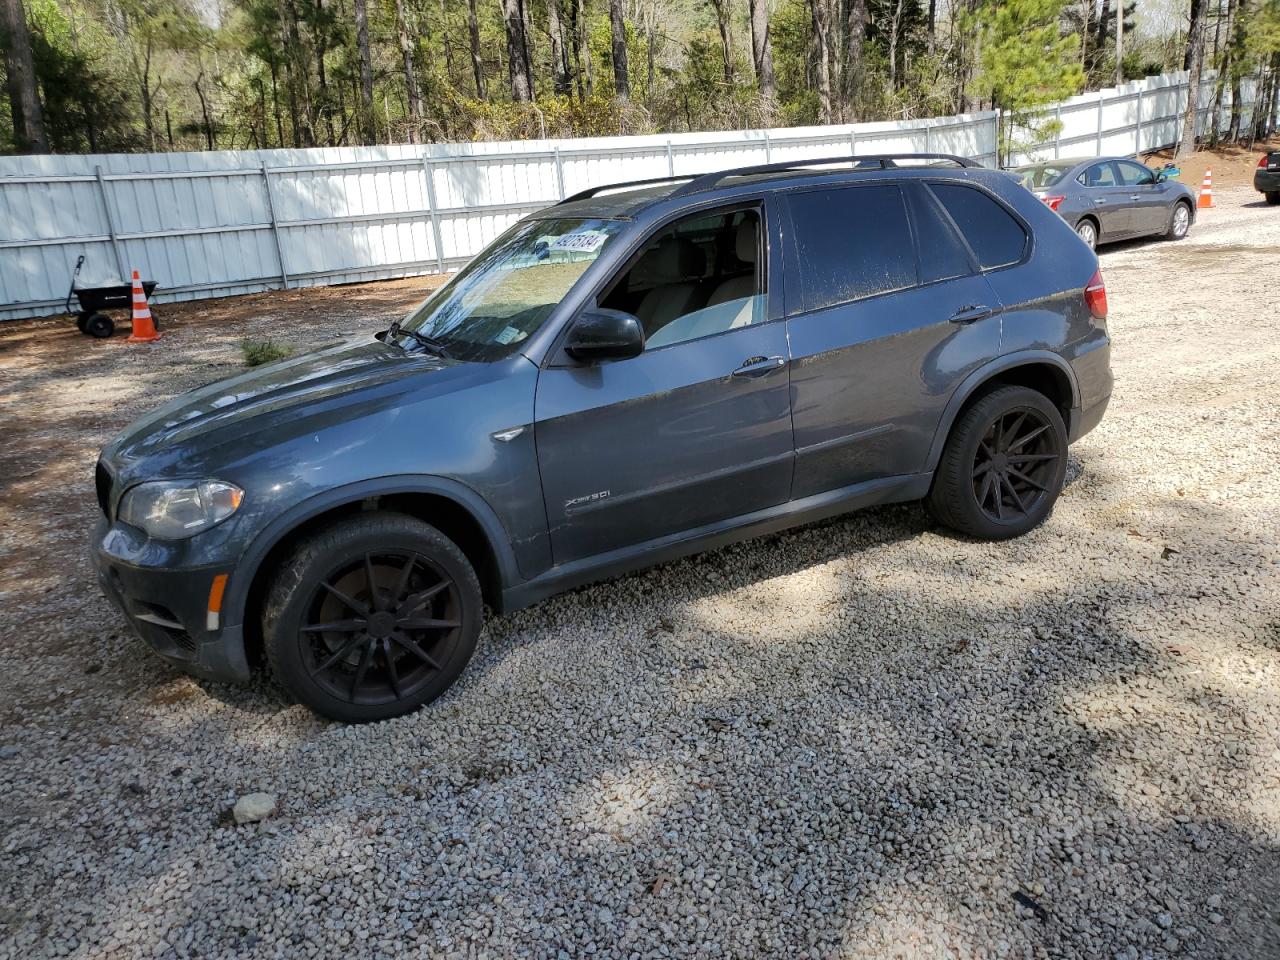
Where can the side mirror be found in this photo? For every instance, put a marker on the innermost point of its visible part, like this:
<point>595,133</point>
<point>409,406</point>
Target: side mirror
<point>602,334</point>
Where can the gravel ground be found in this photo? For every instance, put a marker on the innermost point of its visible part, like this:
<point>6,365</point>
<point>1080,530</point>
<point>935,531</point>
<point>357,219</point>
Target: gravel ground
<point>865,738</point>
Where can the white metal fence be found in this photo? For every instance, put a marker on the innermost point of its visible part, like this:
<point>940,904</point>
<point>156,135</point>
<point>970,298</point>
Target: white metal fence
<point>1136,117</point>
<point>212,224</point>
<point>219,223</point>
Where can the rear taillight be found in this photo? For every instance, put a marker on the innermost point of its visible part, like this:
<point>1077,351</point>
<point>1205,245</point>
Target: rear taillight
<point>1053,202</point>
<point>1262,161</point>
<point>1095,296</point>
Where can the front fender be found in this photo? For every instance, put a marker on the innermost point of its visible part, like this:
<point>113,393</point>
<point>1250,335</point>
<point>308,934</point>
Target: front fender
<point>241,581</point>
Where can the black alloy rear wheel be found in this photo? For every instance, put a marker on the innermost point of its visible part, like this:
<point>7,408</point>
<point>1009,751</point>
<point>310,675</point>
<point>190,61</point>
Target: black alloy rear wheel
<point>1003,466</point>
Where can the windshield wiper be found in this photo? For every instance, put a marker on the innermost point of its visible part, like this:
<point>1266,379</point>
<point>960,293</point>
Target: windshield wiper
<point>431,344</point>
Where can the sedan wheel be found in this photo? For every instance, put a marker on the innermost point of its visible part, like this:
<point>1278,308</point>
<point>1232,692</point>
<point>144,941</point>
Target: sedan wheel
<point>1181,221</point>
<point>1088,233</point>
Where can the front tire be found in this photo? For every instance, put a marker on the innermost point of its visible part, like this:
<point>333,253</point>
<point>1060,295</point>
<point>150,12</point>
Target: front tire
<point>1003,466</point>
<point>372,617</point>
<point>1179,221</point>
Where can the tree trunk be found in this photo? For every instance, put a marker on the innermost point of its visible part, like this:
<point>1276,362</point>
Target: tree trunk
<point>477,61</point>
<point>517,52</point>
<point>322,39</point>
<point>204,111</point>
<point>618,29</point>
<point>1100,44</point>
<point>369,123</point>
<point>722,12</point>
<point>822,57</point>
<point>1224,68</point>
<point>1197,15</point>
<point>762,53</point>
<point>412,95</point>
<point>895,26</point>
<point>20,73</point>
<point>855,31</point>
<point>1195,52</point>
<point>584,46</point>
<point>1237,46</point>
<point>561,80</point>
<point>1119,42</point>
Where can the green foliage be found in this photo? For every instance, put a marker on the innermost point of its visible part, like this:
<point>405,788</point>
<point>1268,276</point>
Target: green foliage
<point>258,352</point>
<point>1025,63</point>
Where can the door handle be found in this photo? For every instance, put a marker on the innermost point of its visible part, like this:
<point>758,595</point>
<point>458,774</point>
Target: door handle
<point>971,313</point>
<point>1134,196</point>
<point>1099,200</point>
<point>754,367</point>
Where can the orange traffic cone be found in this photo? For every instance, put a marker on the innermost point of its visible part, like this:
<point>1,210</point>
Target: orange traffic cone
<point>1206,190</point>
<point>144,327</point>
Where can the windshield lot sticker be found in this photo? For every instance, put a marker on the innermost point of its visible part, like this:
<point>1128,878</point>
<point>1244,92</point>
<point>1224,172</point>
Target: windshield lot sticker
<point>508,335</point>
<point>587,241</point>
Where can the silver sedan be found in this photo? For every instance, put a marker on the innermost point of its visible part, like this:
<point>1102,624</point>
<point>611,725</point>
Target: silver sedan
<point>1112,198</point>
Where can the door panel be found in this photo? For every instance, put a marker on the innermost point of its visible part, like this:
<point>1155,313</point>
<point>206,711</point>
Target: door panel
<point>1148,201</point>
<point>664,442</point>
<point>870,379</point>
<point>1108,199</point>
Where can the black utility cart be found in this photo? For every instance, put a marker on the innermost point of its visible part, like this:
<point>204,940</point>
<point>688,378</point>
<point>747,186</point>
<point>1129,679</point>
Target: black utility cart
<point>91,318</point>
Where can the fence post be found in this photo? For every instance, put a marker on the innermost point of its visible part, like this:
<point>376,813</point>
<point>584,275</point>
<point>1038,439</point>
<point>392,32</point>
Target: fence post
<point>428,171</point>
<point>275,225</point>
<point>111,223</point>
<point>671,160</point>
<point>559,173</point>
<point>1137,127</point>
<point>1100,106</point>
<point>768,151</point>
<point>927,128</point>
<point>853,143</point>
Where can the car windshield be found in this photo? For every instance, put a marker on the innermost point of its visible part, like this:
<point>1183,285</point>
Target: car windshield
<point>506,293</point>
<point>1041,175</point>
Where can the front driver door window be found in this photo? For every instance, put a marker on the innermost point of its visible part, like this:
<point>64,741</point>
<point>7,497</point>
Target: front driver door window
<point>1148,212</point>
<point>697,429</point>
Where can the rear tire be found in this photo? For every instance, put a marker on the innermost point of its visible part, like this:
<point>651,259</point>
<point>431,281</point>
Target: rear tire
<point>1003,466</point>
<point>401,609</point>
<point>1179,221</point>
<point>1087,231</point>
<point>1273,197</point>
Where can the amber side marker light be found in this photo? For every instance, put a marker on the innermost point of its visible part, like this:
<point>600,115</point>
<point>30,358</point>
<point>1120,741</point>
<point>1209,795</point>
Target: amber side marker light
<point>216,590</point>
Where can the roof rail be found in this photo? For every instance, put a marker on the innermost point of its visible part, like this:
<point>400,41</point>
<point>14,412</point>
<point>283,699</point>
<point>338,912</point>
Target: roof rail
<point>590,192</point>
<point>881,161</point>
<point>696,182</point>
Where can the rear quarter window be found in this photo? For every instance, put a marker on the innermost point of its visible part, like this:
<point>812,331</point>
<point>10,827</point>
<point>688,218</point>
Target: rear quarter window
<point>996,236</point>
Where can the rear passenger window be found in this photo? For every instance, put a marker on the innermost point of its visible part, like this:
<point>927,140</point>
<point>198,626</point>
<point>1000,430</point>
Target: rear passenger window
<point>995,236</point>
<point>942,255</point>
<point>853,242</point>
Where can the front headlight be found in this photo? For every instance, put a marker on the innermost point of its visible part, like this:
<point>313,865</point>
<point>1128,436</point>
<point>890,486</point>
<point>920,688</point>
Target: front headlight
<point>177,509</point>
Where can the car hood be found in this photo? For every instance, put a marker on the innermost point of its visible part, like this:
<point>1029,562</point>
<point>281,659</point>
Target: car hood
<point>287,393</point>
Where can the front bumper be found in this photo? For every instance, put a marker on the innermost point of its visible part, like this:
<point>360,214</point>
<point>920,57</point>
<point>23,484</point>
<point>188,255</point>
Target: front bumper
<point>1266,181</point>
<point>169,607</point>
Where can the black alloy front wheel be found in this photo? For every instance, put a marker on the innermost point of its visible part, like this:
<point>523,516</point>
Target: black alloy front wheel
<point>372,618</point>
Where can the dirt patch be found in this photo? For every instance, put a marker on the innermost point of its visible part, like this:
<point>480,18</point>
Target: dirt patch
<point>1232,164</point>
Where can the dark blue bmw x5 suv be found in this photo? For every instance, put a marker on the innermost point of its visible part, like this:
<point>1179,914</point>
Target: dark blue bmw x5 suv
<point>639,372</point>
